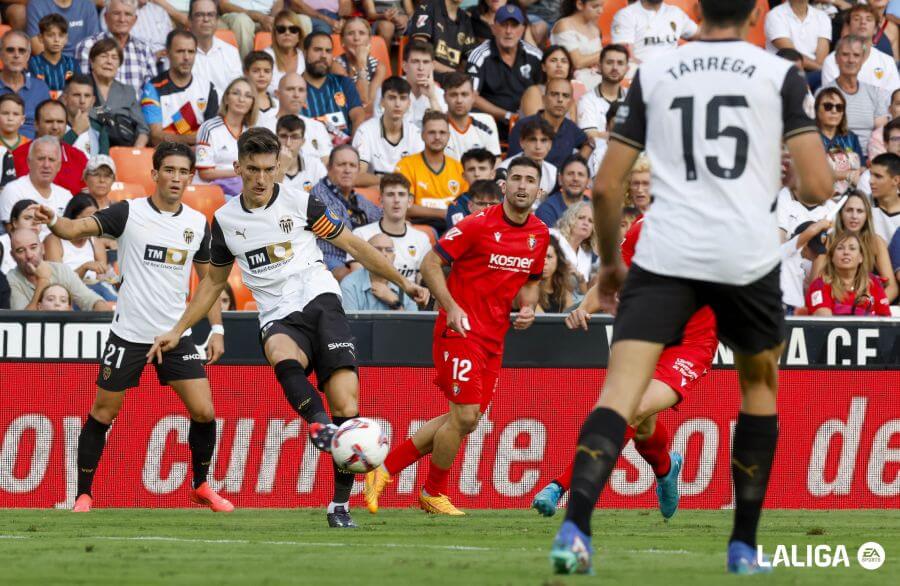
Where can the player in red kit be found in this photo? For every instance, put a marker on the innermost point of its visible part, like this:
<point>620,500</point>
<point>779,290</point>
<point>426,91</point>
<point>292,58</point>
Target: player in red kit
<point>495,256</point>
<point>678,371</point>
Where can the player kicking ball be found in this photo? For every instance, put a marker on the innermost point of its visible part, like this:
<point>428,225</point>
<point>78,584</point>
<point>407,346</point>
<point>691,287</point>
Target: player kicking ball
<point>270,230</point>
<point>678,371</point>
<point>713,116</point>
<point>495,255</point>
<point>159,239</point>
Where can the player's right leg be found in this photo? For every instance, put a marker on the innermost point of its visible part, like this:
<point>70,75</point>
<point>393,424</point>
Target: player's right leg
<point>463,420</point>
<point>288,351</point>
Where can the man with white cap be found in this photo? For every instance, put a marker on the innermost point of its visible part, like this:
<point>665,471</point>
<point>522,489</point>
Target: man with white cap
<point>99,175</point>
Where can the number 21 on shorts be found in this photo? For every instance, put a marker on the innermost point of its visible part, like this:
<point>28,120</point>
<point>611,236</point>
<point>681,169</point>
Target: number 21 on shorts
<point>111,351</point>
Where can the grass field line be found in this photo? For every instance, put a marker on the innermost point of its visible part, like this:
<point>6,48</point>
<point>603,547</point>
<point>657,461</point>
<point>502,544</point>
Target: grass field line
<point>268,542</point>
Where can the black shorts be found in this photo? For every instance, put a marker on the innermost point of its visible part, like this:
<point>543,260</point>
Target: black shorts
<point>123,362</point>
<point>655,308</point>
<point>322,331</point>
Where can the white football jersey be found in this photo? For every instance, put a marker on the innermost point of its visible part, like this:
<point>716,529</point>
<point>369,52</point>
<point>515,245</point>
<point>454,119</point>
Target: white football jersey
<point>410,247</point>
<point>480,133</point>
<point>275,248</point>
<point>316,140</point>
<point>712,117</point>
<point>216,146</point>
<point>592,109</point>
<point>378,152</point>
<point>417,107</point>
<point>311,171</point>
<point>792,212</point>
<point>156,250</point>
<point>878,69</point>
<point>651,33</point>
<point>885,224</point>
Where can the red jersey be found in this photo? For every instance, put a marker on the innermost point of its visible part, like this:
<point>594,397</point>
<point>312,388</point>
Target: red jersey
<point>875,303</point>
<point>492,258</point>
<point>700,331</point>
<point>71,173</point>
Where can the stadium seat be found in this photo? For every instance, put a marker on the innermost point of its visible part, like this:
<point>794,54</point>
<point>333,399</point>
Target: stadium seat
<point>370,193</point>
<point>227,36</point>
<point>757,34</point>
<point>242,295</point>
<point>379,50</point>
<point>403,40</point>
<point>606,18</point>
<point>122,191</point>
<point>206,199</point>
<point>3,29</point>
<point>428,230</point>
<point>262,40</point>
<point>133,166</point>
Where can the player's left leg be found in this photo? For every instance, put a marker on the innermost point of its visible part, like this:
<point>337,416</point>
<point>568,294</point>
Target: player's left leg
<point>342,392</point>
<point>197,398</point>
<point>462,421</point>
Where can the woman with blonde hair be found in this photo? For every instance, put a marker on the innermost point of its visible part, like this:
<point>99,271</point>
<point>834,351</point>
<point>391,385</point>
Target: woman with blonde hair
<point>575,232</point>
<point>217,137</point>
<point>855,217</point>
<point>847,286</point>
<point>287,47</point>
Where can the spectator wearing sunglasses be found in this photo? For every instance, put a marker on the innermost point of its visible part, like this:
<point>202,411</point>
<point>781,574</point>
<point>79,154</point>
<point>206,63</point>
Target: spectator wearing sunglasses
<point>15,49</point>
<point>841,145</point>
<point>287,47</point>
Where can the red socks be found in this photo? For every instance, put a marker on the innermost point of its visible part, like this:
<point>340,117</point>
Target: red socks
<point>565,479</point>
<point>437,480</point>
<point>654,449</point>
<point>401,457</point>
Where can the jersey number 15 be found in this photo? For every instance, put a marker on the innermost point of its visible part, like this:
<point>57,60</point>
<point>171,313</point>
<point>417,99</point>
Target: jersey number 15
<point>713,132</point>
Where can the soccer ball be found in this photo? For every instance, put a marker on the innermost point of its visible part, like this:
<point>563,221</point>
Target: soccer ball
<point>359,445</point>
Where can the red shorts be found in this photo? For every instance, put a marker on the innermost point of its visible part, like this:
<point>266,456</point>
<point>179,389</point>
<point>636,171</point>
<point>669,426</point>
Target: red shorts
<point>681,367</point>
<point>466,373</point>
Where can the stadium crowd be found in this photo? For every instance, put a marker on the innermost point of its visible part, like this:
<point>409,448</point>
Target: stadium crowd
<point>402,116</point>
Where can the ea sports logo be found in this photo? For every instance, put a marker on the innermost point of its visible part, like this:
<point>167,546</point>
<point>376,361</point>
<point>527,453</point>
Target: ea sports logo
<point>870,555</point>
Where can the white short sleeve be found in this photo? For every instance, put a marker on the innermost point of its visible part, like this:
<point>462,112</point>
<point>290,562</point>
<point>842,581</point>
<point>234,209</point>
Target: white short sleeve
<point>776,27</point>
<point>589,115</point>
<point>623,28</point>
<point>690,27</point>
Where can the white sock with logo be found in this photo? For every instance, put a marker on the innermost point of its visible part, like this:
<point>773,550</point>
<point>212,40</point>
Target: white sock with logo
<point>333,505</point>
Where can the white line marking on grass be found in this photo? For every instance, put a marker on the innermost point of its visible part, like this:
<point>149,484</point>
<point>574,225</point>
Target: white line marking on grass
<point>662,551</point>
<point>249,542</point>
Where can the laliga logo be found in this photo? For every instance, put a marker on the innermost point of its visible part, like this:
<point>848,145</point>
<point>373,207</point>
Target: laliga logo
<point>870,556</point>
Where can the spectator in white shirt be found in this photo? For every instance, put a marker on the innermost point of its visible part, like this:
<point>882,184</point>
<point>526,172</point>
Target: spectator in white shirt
<point>418,69</point>
<point>593,106</point>
<point>246,17</point>
<point>152,26</point>
<point>885,183</point>
<point>291,96</point>
<point>383,141</point>
<point>650,27</point>
<point>797,25</point>
<point>300,169</point>
<point>44,162</point>
<point>20,218</point>
<point>258,66</point>
<point>217,137</point>
<point>287,47</point>
<point>878,69</point>
<point>468,130</point>
<point>78,98</point>
<point>575,231</point>
<point>216,61</point>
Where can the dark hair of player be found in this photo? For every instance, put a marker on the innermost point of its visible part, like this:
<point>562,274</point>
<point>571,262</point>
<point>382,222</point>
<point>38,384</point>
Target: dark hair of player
<point>308,41</point>
<point>339,149</point>
<point>254,56</point>
<point>613,48</point>
<point>792,55</point>
<point>104,46</point>
<point>486,189</point>
<point>889,161</point>
<point>549,53</point>
<point>258,141</point>
<point>890,127</point>
<point>418,46</point>
<point>14,98</point>
<point>78,203</point>
<point>397,84</point>
<point>571,160</point>
<point>53,20</point>
<point>172,149</point>
<point>431,115</point>
<point>391,179</point>
<point>723,13</point>
<point>179,32</point>
<point>46,104</point>
<point>455,80</point>
<point>291,123</point>
<point>482,155</point>
<point>19,207</point>
<point>525,162</point>
<point>534,126</point>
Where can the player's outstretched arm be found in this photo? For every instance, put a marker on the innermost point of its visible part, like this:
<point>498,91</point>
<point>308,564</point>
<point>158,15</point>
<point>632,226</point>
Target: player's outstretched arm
<point>812,173</point>
<point>216,346</point>
<point>375,262</point>
<point>64,227</point>
<point>205,296</point>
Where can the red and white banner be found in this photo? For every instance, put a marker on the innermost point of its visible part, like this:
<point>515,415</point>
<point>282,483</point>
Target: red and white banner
<point>839,444</point>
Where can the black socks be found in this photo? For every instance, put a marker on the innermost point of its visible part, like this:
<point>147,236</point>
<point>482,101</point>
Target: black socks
<point>755,439</point>
<point>91,442</point>
<point>343,481</point>
<point>202,441</point>
<point>302,396</point>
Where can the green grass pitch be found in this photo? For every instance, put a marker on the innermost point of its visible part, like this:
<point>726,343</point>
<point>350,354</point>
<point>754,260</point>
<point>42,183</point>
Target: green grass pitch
<point>194,546</point>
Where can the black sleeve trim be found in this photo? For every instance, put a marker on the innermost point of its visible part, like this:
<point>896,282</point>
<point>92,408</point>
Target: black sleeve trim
<point>202,254</point>
<point>219,253</point>
<point>631,119</point>
<point>793,96</point>
<point>113,219</point>
<point>443,253</point>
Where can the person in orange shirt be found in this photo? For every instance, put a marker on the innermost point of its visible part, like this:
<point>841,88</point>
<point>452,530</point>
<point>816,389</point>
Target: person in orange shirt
<point>436,179</point>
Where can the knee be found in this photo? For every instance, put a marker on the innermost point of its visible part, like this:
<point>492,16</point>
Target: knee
<point>344,407</point>
<point>105,414</point>
<point>203,414</point>
<point>760,371</point>
<point>466,420</point>
<point>644,428</point>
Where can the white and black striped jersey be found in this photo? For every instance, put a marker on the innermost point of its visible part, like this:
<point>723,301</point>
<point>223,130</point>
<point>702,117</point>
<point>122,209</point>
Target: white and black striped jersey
<point>276,250</point>
<point>156,250</point>
<point>712,117</point>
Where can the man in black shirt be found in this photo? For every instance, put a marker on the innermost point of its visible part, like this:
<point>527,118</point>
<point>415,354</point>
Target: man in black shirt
<point>503,68</point>
<point>446,26</point>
